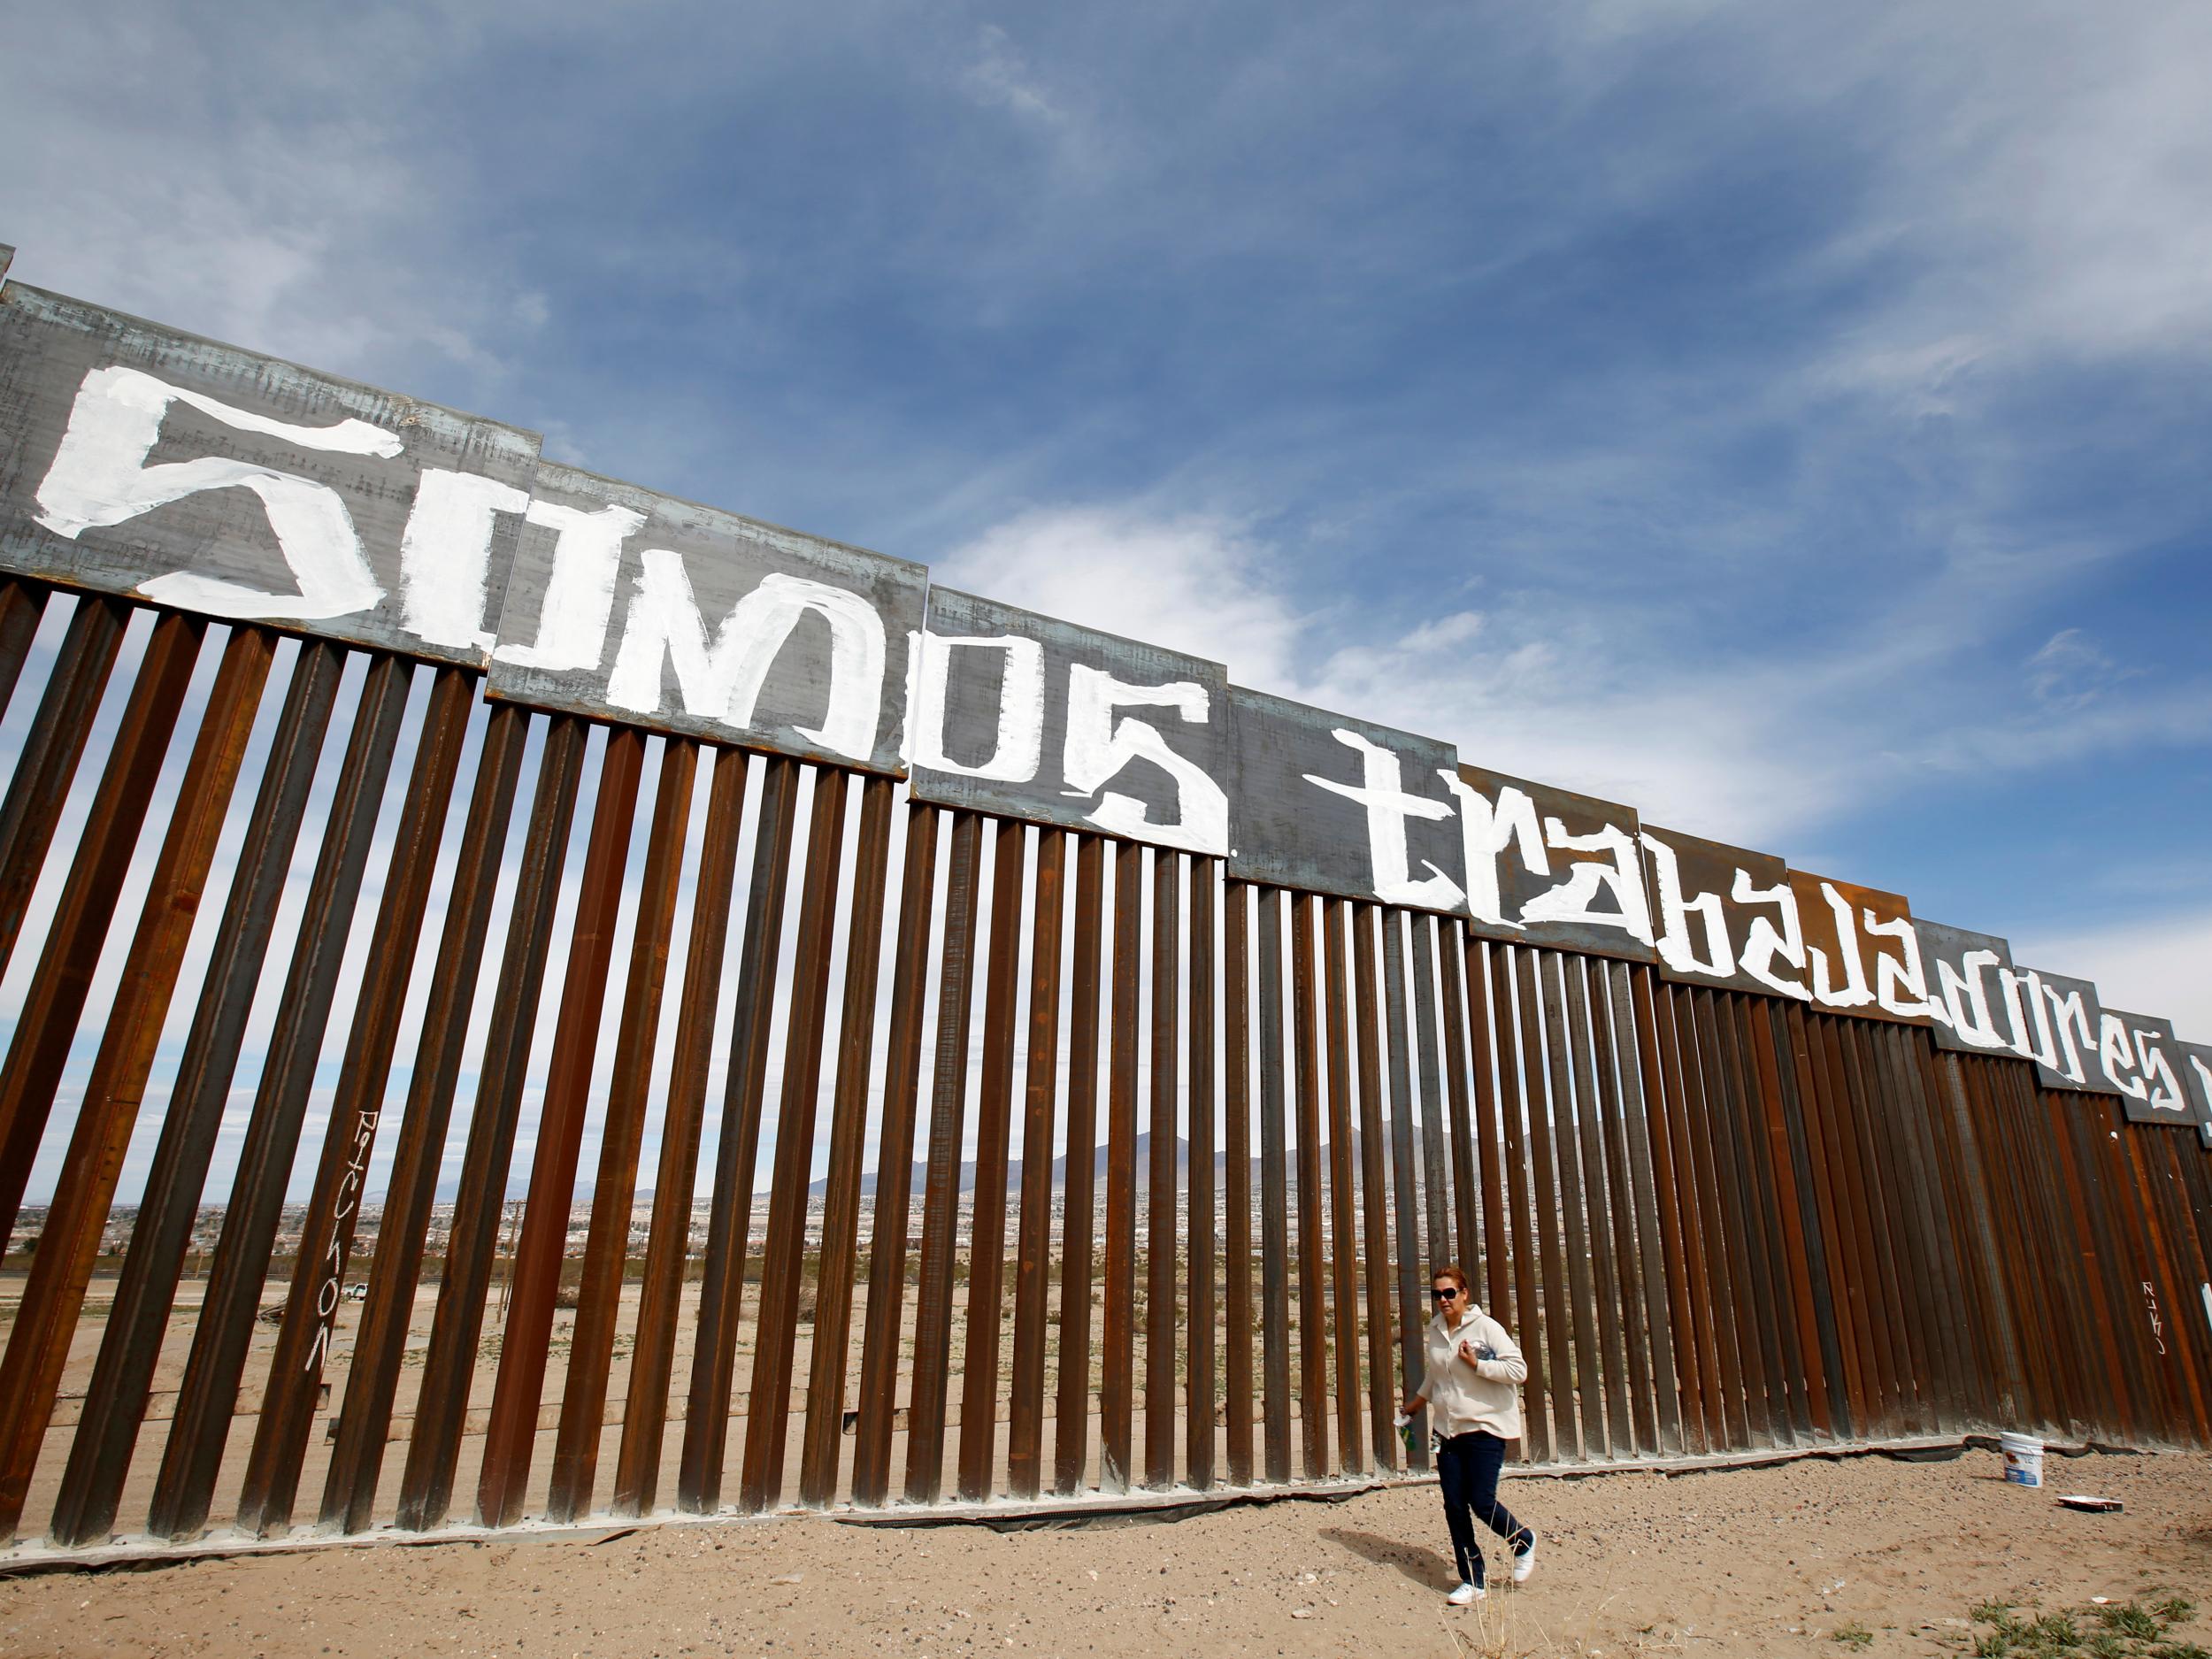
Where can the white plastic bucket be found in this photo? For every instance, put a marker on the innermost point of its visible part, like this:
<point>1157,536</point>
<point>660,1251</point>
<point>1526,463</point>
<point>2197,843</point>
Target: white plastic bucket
<point>2024,1459</point>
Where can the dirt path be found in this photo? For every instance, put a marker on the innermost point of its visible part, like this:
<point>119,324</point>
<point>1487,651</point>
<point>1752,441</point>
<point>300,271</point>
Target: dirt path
<point>1770,1560</point>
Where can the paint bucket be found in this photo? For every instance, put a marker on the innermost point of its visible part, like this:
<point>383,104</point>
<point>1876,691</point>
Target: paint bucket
<point>2024,1459</point>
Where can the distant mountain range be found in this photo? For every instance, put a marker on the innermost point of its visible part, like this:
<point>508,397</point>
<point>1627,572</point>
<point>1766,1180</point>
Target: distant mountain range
<point>518,1185</point>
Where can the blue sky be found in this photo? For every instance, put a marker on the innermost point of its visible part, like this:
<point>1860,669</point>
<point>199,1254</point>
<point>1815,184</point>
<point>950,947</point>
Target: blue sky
<point>1793,421</point>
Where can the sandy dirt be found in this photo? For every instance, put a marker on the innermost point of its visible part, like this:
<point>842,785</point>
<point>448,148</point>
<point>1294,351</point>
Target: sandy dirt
<point>1798,1558</point>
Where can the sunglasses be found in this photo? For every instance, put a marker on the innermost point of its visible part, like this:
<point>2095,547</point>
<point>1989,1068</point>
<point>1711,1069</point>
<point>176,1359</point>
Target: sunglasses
<point>1446,1295</point>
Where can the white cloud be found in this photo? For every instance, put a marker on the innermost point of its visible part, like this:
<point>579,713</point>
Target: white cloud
<point>2153,966</point>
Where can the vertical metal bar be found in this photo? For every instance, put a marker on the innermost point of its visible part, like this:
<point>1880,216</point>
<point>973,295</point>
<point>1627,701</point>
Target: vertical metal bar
<point>1237,1193</point>
<point>115,1402</point>
<point>729,1219</point>
<point>995,1121</point>
<point>53,745</point>
<point>1739,1150</point>
<point>53,1294</point>
<point>295,1369</point>
<point>637,1468</point>
<point>1987,1380</point>
<point>1896,1120</point>
<point>1696,1339</point>
<point>1115,1393</point>
<point>1901,1320</point>
<point>1071,1448</point>
<point>208,1392</point>
<point>1199,1416</point>
<point>1634,1425</point>
<point>1538,1274</point>
<point>1614,1309</point>
<point>1166,1093</point>
<point>1450,963</point>
<point>1796,1335</point>
<point>1579,1289</point>
<point>357,1459</point>
<point>614,1188</point>
<point>1693,1042</point>
<point>1661,1416</point>
<point>1313,1333</point>
<point>1975,1188</point>
<point>22,604</point>
<point>1375,1238</point>
<point>1404,1156</point>
<point>1803,1255</point>
<point>1032,1273</point>
<point>1436,1183</point>
<point>1343,1234</point>
<point>511,1432</point>
<point>1674,1334</point>
<point>848,1127</point>
<point>1817,1180</point>
<point>1862,1278</point>
<point>1482,1029</point>
<point>940,1195</point>
<point>433,1448</point>
<point>47,1025</point>
<point>895,1164</point>
<point>783,1255</point>
<point>1275,1412</point>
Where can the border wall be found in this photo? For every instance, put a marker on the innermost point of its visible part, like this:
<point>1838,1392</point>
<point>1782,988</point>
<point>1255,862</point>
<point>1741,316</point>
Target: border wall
<point>532,1000</point>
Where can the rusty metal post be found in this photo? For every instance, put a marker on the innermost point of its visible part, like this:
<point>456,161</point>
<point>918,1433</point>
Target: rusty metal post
<point>1032,1273</point>
<point>1071,1449</point>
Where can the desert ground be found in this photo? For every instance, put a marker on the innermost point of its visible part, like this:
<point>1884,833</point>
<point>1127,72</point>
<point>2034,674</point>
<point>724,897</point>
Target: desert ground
<point>1864,1555</point>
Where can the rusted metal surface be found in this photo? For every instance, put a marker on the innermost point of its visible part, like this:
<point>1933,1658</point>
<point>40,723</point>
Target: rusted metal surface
<point>357,1459</point>
<point>1404,1159</point>
<point>1117,1388</point>
<point>994,1120</point>
<point>512,1433</point>
<point>783,1260</point>
<point>1373,1192</point>
<point>1275,1260</point>
<point>1164,1095</point>
<point>334,1205</point>
<point>667,1245</point>
<point>941,1191</point>
<point>1236,1141</point>
<point>207,1397</point>
<point>54,1292</point>
<point>902,1086</point>
<point>848,1123</point>
<point>1199,1412</point>
<point>53,745</point>
<point>1071,1446</point>
<point>116,1400</point>
<point>614,1187</point>
<point>433,1444</point>
<point>1032,1272</point>
<point>1312,1252</point>
<point>63,978</point>
<point>722,1276</point>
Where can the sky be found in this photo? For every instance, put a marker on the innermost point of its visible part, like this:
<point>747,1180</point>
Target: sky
<point>1790,421</point>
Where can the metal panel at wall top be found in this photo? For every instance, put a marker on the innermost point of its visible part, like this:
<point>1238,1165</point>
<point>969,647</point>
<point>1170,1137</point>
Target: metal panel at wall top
<point>1026,716</point>
<point>1860,957</point>
<point>626,604</point>
<point>1546,866</point>
<point>2056,1022</point>
<point>2195,1061</point>
<point>1964,974</point>
<point>2135,1054</point>
<point>138,460</point>
<point>1725,916</point>
<point>1330,804</point>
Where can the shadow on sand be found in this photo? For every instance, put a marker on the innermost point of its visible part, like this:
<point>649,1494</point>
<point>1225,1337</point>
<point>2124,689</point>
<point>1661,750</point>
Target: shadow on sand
<point>1425,1567</point>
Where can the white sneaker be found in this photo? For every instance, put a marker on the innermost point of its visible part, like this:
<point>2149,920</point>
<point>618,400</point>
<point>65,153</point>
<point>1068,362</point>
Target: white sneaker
<point>1465,1593</point>
<point>1524,1562</point>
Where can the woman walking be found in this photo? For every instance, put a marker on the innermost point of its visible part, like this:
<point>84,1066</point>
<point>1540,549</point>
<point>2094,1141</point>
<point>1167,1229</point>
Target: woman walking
<point>1472,1389</point>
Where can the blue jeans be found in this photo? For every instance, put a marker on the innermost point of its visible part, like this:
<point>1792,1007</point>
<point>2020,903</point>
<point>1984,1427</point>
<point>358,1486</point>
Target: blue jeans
<point>1468,1466</point>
